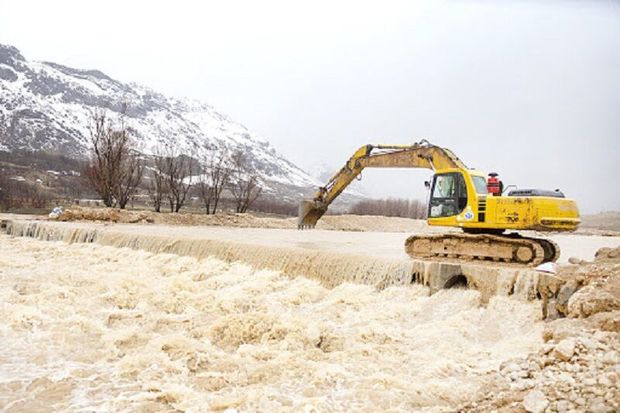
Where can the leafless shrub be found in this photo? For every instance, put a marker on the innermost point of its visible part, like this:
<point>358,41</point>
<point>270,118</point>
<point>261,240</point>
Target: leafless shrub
<point>115,169</point>
<point>244,181</point>
<point>15,194</point>
<point>391,207</point>
<point>38,197</point>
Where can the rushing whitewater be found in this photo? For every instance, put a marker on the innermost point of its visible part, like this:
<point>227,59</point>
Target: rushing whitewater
<point>88,327</point>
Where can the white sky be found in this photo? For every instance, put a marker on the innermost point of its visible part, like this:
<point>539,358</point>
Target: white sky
<point>529,89</point>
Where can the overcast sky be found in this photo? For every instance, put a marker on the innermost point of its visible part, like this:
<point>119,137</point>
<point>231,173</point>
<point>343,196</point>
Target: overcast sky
<point>529,89</point>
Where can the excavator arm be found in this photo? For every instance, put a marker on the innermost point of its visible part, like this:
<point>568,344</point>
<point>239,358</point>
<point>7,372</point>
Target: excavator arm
<point>419,155</point>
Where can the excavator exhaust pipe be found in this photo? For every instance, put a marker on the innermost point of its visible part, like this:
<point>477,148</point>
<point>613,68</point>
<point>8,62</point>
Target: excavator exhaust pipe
<point>309,213</point>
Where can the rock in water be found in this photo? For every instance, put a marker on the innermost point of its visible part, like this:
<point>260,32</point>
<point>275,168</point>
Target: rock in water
<point>574,260</point>
<point>564,295</point>
<point>591,300</point>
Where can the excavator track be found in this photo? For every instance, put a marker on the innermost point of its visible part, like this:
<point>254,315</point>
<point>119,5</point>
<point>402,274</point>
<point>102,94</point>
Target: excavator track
<point>551,249</point>
<point>499,248</point>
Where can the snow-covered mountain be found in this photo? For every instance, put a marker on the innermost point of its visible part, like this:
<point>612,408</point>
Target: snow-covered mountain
<point>47,106</point>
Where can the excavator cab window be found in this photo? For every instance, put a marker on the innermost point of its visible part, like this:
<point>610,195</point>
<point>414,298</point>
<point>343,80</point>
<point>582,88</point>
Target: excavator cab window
<point>480,184</point>
<point>448,195</point>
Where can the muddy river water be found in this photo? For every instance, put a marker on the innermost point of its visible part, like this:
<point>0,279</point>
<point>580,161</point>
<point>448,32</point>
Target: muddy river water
<point>88,327</point>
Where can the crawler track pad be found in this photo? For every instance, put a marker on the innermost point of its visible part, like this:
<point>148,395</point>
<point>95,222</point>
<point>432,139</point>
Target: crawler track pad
<point>516,250</point>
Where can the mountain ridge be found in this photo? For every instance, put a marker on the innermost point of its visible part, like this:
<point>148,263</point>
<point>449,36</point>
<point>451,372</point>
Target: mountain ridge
<point>48,106</point>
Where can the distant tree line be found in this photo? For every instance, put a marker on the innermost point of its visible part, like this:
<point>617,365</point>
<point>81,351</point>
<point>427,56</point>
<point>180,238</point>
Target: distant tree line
<point>32,180</point>
<point>16,194</point>
<point>390,207</point>
<point>277,207</point>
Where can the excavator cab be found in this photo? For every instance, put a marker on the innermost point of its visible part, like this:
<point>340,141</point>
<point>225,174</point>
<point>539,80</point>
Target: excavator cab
<point>448,195</point>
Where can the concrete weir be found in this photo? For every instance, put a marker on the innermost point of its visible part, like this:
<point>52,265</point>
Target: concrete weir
<point>525,283</point>
<point>286,251</point>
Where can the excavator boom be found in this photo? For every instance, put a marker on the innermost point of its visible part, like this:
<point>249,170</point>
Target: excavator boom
<point>418,155</point>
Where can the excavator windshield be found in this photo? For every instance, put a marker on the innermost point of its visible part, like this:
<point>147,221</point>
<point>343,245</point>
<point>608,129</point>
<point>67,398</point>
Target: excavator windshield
<point>448,195</point>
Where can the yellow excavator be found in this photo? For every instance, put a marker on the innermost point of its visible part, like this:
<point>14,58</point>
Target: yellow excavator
<point>464,198</point>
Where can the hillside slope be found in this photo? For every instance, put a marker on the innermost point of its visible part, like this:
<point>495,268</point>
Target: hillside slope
<point>47,106</point>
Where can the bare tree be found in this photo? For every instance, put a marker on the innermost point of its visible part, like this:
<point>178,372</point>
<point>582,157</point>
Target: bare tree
<point>172,179</point>
<point>115,169</point>
<point>158,189</point>
<point>215,178</point>
<point>102,169</point>
<point>179,180</point>
<point>130,176</point>
<point>244,181</point>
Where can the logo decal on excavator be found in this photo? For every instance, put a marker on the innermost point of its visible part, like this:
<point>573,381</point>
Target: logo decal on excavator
<point>469,215</point>
<point>514,217</point>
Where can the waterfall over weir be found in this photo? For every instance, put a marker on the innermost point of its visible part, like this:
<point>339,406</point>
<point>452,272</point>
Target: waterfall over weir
<point>47,231</point>
<point>330,268</point>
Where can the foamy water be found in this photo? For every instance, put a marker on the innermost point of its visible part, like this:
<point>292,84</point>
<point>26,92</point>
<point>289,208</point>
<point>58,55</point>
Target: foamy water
<point>88,327</point>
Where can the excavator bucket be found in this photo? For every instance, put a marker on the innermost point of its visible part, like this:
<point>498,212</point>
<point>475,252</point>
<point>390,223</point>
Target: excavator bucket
<point>309,214</point>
